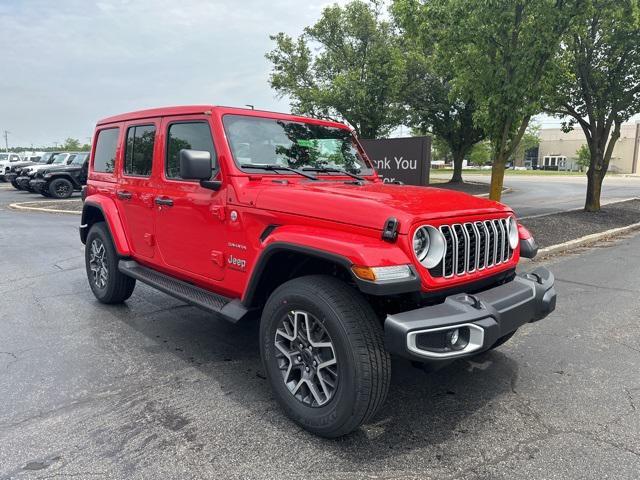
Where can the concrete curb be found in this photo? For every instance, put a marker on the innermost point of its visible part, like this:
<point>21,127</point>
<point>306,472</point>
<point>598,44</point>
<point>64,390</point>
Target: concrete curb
<point>504,192</point>
<point>586,240</point>
<point>602,204</point>
<point>25,206</point>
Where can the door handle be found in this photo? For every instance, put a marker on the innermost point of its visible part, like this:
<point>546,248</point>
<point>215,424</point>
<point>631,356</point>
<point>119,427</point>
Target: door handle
<point>124,195</point>
<point>167,202</point>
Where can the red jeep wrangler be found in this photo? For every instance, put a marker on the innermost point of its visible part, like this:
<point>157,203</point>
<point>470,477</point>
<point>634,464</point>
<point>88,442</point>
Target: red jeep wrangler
<point>251,214</point>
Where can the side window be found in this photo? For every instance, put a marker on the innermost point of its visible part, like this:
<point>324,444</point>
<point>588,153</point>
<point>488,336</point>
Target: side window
<point>190,136</point>
<point>105,158</point>
<point>14,158</point>
<point>139,152</point>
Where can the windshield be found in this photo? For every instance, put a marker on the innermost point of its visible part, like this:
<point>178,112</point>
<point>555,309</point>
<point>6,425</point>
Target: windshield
<point>79,159</point>
<point>267,141</point>
<point>45,158</point>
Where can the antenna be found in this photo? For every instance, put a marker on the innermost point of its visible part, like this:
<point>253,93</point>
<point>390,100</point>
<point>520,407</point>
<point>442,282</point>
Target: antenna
<point>252,107</point>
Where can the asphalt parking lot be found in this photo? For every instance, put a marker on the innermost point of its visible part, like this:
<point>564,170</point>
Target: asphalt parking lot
<point>158,389</point>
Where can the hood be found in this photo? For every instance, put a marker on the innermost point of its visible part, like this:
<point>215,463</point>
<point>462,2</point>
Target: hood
<point>59,168</point>
<point>15,165</point>
<point>369,205</point>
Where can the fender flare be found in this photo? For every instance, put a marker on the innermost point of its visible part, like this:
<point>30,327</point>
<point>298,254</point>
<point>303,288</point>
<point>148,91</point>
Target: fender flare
<point>110,214</point>
<point>65,175</point>
<point>282,243</point>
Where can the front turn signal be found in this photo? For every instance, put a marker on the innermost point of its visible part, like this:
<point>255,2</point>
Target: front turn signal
<point>381,274</point>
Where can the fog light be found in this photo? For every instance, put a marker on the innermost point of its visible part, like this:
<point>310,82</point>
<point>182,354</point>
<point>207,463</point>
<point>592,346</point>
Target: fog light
<point>458,338</point>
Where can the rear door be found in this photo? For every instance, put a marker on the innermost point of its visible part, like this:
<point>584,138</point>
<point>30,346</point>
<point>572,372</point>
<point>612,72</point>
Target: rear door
<point>189,218</point>
<point>137,186</point>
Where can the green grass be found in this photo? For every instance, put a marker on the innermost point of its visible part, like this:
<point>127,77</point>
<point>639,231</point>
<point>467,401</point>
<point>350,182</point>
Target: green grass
<point>469,171</point>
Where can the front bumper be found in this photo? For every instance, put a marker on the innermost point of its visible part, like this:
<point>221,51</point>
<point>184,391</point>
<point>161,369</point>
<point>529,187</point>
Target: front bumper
<point>37,185</point>
<point>10,177</point>
<point>23,182</point>
<point>485,316</point>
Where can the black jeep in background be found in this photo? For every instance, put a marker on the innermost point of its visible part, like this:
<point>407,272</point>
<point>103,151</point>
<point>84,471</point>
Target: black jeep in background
<point>61,181</point>
<point>16,168</point>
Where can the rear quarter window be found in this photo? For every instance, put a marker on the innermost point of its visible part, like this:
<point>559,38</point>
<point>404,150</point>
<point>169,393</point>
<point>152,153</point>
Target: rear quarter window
<point>104,160</point>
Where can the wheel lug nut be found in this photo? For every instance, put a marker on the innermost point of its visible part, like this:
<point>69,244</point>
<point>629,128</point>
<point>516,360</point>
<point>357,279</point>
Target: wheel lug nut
<point>307,369</point>
<point>315,363</point>
<point>299,358</point>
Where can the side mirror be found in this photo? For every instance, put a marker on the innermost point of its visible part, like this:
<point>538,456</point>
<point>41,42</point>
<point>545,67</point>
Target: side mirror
<point>198,165</point>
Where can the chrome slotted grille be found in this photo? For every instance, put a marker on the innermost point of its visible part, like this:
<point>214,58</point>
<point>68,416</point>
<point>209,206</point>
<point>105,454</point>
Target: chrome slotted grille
<point>473,246</point>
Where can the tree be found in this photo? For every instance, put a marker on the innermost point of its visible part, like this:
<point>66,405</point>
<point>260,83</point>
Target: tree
<point>353,73</point>
<point>480,153</point>
<point>71,144</point>
<point>583,157</point>
<point>598,79</point>
<point>530,139</point>
<point>499,53</point>
<point>440,149</point>
<point>432,105</point>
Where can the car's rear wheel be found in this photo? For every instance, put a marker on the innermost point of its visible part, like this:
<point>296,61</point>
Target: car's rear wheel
<point>15,185</point>
<point>108,284</point>
<point>60,188</point>
<point>323,352</point>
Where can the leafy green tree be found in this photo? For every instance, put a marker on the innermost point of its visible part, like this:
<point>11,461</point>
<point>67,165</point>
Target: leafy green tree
<point>499,53</point>
<point>348,66</point>
<point>440,149</point>
<point>71,144</point>
<point>530,139</point>
<point>583,157</point>
<point>481,153</point>
<point>432,104</point>
<point>598,79</point>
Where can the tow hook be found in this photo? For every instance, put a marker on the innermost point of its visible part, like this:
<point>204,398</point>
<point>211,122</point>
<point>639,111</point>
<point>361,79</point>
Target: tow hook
<point>471,300</point>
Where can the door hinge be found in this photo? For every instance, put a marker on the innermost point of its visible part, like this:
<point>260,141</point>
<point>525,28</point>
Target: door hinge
<point>217,258</point>
<point>149,239</point>
<point>218,212</point>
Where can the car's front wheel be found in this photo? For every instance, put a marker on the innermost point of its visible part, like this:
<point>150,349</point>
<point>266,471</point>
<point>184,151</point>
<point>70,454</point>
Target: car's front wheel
<point>108,284</point>
<point>60,188</point>
<point>323,352</point>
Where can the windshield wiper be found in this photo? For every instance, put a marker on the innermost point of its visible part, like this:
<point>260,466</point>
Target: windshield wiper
<point>333,170</point>
<point>275,168</point>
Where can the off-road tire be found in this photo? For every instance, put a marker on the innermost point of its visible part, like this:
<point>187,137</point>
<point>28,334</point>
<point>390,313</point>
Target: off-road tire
<point>503,340</point>
<point>60,188</point>
<point>363,365</point>
<point>15,185</point>
<point>118,287</point>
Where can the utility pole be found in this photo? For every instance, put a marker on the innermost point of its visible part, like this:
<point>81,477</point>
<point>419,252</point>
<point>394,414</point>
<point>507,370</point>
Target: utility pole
<point>6,140</point>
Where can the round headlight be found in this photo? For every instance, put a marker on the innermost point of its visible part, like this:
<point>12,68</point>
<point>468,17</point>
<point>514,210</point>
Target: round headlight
<point>428,246</point>
<point>514,237</point>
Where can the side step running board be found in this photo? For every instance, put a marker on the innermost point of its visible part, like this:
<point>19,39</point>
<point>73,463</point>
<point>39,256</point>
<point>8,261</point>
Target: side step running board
<point>231,310</point>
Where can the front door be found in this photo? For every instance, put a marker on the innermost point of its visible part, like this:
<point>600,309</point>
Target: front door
<point>136,186</point>
<point>189,218</point>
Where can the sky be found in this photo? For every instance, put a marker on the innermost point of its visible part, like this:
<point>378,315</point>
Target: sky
<point>67,63</point>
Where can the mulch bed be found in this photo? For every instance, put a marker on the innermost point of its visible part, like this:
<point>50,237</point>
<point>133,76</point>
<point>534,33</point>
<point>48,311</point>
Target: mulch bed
<point>562,227</point>
<point>472,188</point>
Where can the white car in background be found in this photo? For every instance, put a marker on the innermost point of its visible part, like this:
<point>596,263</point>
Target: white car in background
<point>5,159</point>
